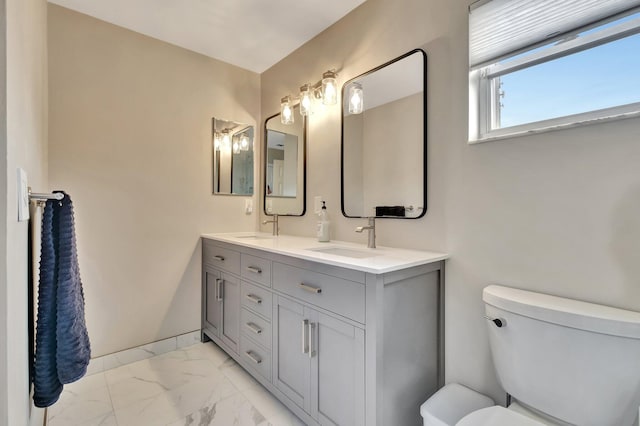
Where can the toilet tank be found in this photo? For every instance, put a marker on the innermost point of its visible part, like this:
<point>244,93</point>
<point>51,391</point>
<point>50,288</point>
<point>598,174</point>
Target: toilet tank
<point>578,362</point>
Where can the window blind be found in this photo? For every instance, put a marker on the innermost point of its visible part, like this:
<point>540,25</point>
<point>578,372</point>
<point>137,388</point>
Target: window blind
<point>499,28</point>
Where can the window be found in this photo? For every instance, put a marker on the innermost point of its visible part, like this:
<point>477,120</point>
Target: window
<point>537,65</point>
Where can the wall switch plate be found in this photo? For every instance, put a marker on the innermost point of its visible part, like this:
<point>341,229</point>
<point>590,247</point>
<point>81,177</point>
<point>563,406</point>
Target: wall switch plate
<point>23,196</point>
<point>317,204</point>
<point>248,206</point>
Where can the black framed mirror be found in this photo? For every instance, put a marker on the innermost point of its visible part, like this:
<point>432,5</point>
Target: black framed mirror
<point>232,158</point>
<point>285,166</point>
<point>384,140</point>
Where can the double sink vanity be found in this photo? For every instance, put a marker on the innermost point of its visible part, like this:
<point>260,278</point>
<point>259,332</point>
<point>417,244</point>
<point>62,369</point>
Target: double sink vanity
<point>341,334</point>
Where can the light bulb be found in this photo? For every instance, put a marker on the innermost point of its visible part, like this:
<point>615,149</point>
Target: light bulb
<point>236,147</point>
<point>286,111</point>
<point>329,91</point>
<point>226,139</point>
<point>244,142</point>
<point>305,100</point>
<point>356,99</point>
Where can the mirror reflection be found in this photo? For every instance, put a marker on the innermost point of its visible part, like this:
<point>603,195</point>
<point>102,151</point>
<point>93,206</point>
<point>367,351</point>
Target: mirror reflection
<point>384,140</point>
<point>285,165</point>
<point>232,158</point>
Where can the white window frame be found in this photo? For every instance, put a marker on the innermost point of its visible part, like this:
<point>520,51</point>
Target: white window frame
<point>484,93</point>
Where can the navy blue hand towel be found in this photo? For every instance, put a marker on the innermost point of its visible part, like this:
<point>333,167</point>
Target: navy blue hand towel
<point>62,343</point>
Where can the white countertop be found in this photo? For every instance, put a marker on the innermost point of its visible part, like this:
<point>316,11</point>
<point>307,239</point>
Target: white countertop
<point>337,253</point>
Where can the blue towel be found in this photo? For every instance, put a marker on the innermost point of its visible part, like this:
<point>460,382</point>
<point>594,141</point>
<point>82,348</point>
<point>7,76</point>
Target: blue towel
<point>62,343</point>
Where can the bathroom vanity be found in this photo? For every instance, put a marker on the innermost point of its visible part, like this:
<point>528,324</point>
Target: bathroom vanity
<point>341,334</point>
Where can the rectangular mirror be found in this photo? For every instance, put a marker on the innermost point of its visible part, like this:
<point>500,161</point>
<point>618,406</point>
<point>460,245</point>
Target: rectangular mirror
<point>384,145</point>
<point>285,166</point>
<point>232,158</point>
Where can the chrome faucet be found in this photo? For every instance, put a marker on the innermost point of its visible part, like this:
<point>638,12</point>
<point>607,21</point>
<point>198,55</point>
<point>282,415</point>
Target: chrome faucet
<point>274,221</point>
<point>372,232</point>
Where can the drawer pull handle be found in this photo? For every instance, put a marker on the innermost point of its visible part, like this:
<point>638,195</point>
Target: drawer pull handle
<point>253,357</point>
<point>312,327</point>
<point>219,289</point>
<point>305,330</point>
<point>253,327</point>
<point>309,288</point>
<point>254,269</point>
<point>255,299</point>
<point>219,258</point>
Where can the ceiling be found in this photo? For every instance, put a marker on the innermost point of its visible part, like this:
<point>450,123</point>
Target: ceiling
<point>252,34</point>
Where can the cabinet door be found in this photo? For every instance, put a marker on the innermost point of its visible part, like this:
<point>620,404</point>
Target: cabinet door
<point>291,362</point>
<point>230,328</point>
<point>337,372</point>
<point>213,303</point>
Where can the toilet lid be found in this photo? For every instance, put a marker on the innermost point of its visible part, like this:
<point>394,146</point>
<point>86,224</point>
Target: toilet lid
<point>496,416</point>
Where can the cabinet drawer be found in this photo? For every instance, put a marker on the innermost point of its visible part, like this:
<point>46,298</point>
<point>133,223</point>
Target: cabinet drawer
<point>258,358</point>
<point>220,258</point>
<point>257,299</point>
<point>255,269</point>
<point>334,294</point>
<point>255,327</point>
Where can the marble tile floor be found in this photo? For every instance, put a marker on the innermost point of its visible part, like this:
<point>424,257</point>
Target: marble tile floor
<point>194,386</point>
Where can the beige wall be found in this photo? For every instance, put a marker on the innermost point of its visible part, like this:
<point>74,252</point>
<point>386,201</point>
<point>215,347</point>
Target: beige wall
<point>130,140</point>
<point>26,147</point>
<point>557,212</point>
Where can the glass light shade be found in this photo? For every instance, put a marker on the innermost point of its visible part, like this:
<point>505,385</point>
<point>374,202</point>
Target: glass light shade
<point>236,147</point>
<point>226,139</point>
<point>329,88</point>
<point>305,100</point>
<point>356,99</point>
<point>244,142</point>
<point>286,111</point>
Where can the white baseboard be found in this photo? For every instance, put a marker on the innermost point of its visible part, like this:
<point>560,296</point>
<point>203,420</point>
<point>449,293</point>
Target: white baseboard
<point>128,356</point>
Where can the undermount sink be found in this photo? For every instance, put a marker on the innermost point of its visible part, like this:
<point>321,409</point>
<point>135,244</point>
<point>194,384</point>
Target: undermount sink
<point>341,251</point>
<point>254,237</point>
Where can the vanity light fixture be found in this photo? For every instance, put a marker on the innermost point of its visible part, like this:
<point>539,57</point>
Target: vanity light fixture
<point>305,100</point>
<point>244,142</point>
<point>216,141</point>
<point>325,90</point>
<point>236,147</point>
<point>286,111</point>
<point>356,99</point>
<point>329,88</point>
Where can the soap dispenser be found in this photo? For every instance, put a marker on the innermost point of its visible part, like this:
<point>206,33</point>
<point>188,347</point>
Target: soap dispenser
<point>323,224</point>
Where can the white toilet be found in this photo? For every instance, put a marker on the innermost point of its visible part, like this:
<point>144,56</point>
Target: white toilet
<point>562,361</point>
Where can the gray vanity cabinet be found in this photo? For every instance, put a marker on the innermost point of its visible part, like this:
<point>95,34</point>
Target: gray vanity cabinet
<point>212,309</point>
<point>337,371</point>
<point>221,294</point>
<point>319,363</point>
<point>291,361</point>
<point>230,295</point>
<point>222,306</point>
<point>337,345</point>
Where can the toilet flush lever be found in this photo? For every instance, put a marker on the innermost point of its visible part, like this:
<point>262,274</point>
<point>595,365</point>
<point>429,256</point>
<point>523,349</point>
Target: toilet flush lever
<point>499,322</point>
